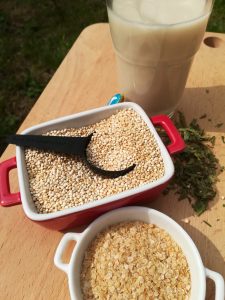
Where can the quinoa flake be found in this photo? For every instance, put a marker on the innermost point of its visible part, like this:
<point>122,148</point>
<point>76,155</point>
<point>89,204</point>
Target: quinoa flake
<point>134,260</point>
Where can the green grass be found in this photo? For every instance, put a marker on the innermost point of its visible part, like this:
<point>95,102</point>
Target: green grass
<point>34,38</point>
<point>217,19</point>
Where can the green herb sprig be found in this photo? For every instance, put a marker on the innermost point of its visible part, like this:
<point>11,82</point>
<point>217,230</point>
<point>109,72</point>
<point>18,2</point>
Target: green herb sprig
<point>196,168</point>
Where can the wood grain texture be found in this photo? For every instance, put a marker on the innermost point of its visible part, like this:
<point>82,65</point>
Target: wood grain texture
<point>87,79</point>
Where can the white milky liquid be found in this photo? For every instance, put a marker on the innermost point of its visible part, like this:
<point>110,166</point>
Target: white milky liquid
<point>155,41</point>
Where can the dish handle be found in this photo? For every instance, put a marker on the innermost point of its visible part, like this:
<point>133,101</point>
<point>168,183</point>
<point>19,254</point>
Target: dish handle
<point>70,236</point>
<point>177,143</point>
<point>219,283</point>
<point>6,197</point>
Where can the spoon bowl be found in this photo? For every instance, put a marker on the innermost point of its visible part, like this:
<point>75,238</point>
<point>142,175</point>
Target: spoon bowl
<point>65,145</point>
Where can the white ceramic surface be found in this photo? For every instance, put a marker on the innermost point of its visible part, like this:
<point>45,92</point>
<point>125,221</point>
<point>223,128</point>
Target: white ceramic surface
<point>78,120</point>
<point>198,271</point>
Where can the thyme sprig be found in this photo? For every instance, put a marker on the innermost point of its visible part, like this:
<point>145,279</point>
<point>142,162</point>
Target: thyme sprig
<point>196,168</point>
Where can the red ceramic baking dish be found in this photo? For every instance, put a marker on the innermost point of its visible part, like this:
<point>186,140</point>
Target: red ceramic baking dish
<point>83,214</point>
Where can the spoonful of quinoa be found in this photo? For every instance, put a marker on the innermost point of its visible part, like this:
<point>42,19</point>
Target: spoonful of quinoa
<point>65,145</point>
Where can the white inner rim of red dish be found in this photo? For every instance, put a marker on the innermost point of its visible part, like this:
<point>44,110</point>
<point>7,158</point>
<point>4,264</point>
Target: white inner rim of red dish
<point>88,117</point>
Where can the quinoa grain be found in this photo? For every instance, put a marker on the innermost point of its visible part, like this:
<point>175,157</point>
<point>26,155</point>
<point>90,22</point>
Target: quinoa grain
<point>61,181</point>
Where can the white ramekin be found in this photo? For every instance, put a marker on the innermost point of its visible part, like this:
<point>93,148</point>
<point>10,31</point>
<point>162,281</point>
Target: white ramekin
<point>197,269</point>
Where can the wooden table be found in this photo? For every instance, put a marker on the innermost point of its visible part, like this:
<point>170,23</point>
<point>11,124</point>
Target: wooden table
<point>87,79</point>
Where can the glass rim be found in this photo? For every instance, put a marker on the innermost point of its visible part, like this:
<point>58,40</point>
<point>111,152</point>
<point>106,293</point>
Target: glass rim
<point>207,13</point>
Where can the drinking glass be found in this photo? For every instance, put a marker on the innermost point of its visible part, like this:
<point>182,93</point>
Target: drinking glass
<point>155,42</point>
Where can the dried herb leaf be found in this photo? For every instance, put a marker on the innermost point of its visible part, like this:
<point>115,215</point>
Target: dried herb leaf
<point>196,168</point>
<point>223,139</point>
<point>207,223</point>
<point>219,125</point>
<point>203,116</point>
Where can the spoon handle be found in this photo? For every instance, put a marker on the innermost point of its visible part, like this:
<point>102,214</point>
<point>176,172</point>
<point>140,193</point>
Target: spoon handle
<point>61,144</point>
<point>64,145</point>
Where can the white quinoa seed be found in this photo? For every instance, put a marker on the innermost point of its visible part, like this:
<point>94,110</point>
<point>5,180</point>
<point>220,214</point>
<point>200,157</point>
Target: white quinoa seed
<point>61,181</point>
<point>134,260</point>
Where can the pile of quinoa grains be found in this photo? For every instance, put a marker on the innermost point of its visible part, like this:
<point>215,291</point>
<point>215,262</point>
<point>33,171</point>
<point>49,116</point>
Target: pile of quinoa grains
<point>134,260</point>
<point>60,181</point>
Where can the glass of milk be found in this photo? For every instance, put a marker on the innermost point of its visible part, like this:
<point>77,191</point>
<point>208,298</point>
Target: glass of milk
<point>155,42</point>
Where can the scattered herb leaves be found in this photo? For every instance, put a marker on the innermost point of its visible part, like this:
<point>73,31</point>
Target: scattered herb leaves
<point>223,139</point>
<point>207,223</point>
<point>196,168</point>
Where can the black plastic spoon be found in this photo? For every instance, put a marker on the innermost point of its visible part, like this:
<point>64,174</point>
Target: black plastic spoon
<point>64,145</point>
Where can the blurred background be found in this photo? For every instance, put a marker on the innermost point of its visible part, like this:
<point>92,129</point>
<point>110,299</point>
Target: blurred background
<point>34,38</point>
